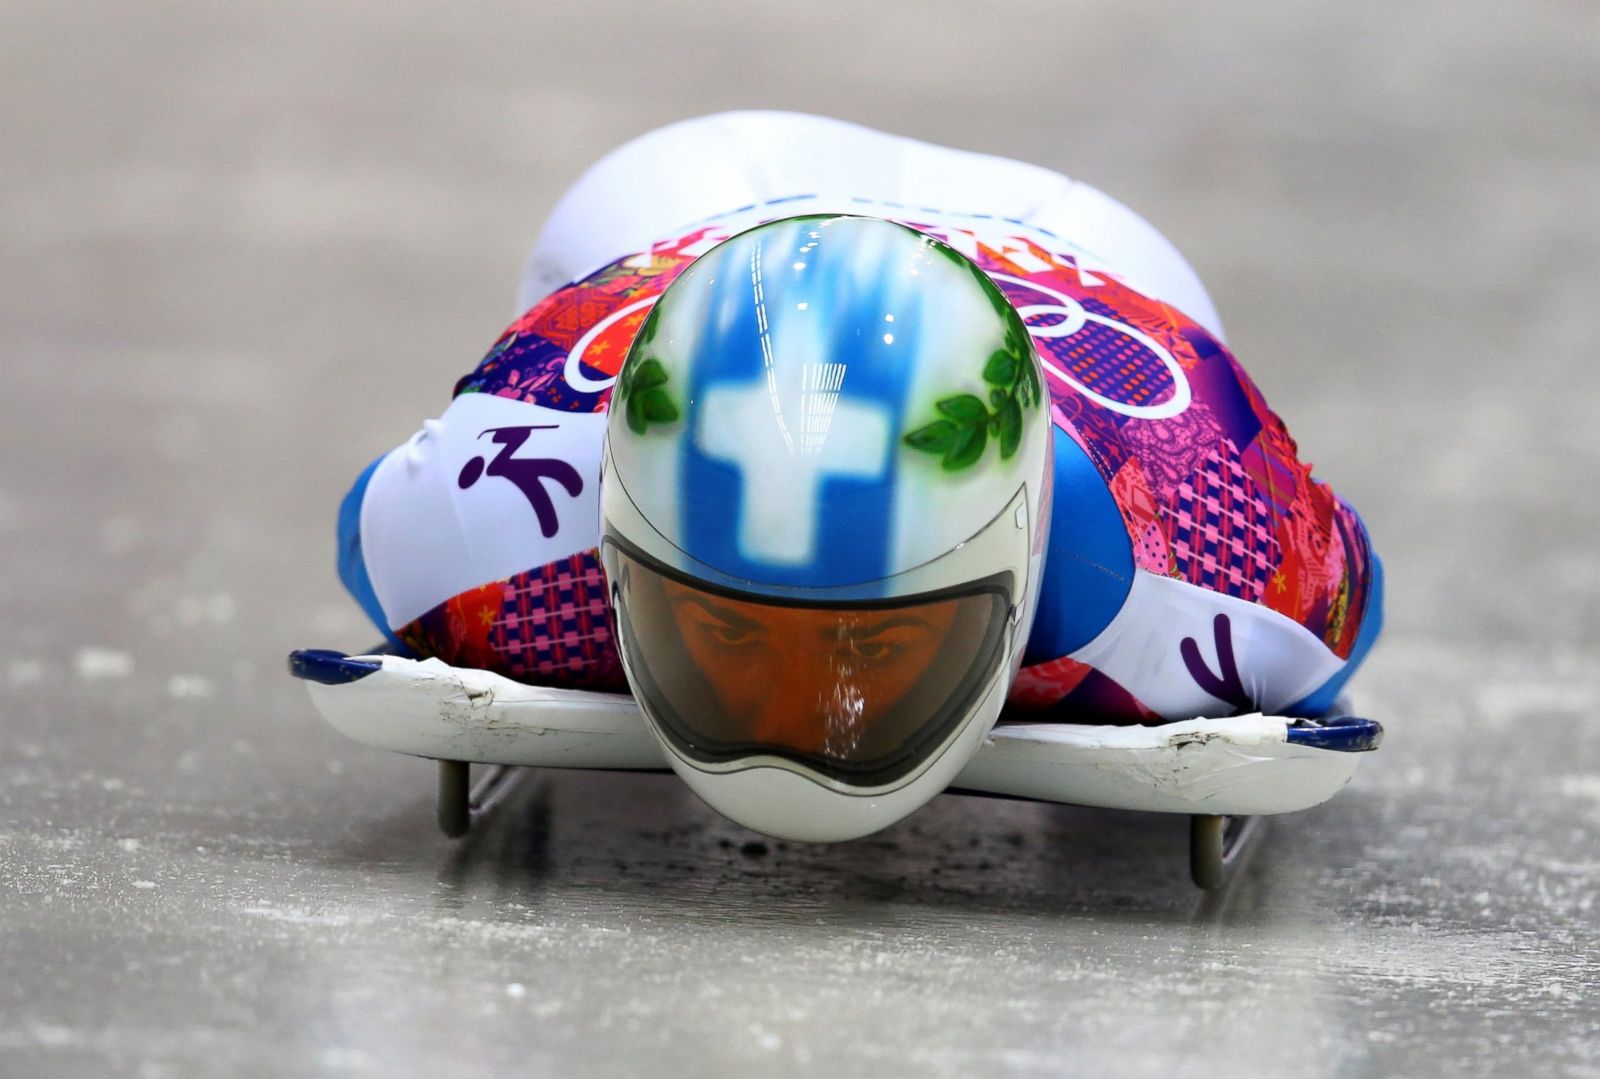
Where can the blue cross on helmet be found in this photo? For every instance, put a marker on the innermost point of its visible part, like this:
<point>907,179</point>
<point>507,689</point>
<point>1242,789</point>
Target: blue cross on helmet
<point>825,495</point>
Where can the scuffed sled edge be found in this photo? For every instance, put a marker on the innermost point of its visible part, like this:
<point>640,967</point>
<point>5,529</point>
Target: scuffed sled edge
<point>1235,766</point>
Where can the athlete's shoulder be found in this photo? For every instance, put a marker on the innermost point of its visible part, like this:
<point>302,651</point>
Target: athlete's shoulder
<point>1209,486</point>
<point>564,352</point>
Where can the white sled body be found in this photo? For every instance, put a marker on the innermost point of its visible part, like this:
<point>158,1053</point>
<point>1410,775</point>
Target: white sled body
<point>1235,766</point>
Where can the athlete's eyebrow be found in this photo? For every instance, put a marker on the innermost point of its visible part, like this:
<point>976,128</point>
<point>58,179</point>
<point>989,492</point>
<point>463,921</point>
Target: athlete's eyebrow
<point>718,611</point>
<point>877,628</point>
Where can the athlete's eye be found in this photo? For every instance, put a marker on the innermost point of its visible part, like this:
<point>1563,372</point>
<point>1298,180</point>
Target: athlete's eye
<point>872,650</point>
<point>717,628</point>
<point>885,644</point>
<point>729,635</point>
<point>718,632</point>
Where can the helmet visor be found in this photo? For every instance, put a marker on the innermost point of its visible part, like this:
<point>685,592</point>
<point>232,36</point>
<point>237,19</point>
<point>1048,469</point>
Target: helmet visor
<point>860,692</point>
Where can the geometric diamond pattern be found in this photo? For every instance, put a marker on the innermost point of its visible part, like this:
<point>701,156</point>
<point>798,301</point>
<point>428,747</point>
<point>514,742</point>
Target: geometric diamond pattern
<point>554,626</point>
<point>1222,535</point>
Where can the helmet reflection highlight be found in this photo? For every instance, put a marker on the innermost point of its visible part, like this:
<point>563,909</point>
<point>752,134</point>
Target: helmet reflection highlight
<point>860,693</point>
<point>814,681</point>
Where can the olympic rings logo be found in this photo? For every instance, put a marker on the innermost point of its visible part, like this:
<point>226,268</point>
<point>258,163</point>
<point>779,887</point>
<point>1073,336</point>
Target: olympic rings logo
<point>574,372</point>
<point>1073,317</point>
<point>1070,315</point>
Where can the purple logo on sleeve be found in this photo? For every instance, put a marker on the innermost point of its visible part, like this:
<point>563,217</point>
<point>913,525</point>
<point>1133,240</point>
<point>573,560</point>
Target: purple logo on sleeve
<point>1224,684</point>
<point>528,473</point>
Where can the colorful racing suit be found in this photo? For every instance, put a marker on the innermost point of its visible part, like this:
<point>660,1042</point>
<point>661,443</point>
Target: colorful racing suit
<point>1194,566</point>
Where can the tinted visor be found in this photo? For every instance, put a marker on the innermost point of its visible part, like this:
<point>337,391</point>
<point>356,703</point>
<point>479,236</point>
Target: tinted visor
<point>861,692</point>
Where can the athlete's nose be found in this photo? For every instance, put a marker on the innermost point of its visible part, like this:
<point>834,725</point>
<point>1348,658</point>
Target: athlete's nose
<point>791,712</point>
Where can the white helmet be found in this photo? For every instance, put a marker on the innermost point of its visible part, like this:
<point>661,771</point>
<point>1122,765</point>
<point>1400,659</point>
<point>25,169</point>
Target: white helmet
<point>825,495</point>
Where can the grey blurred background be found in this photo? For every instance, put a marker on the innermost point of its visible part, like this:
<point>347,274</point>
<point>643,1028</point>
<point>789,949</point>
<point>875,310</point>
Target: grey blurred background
<point>244,249</point>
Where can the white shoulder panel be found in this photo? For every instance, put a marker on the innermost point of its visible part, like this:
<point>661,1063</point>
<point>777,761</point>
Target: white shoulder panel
<point>1278,661</point>
<point>453,508</point>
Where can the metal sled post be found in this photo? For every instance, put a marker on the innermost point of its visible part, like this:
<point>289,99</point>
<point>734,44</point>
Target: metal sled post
<point>1215,844</point>
<point>460,804</point>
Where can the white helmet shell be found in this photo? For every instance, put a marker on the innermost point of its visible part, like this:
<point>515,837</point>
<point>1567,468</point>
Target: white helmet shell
<point>825,492</point>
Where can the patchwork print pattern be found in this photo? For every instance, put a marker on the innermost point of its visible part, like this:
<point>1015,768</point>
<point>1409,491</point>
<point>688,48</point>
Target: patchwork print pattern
<point>1171,450</point>
<point>1212,493</point>
<point>1221,529</point>
<point>530,360</point>
<point>1271,475</point>
<point>1151,551</point>
<point>1044,684</point>
<point>1088,696</point>
<point>550,626</point>
<point>1111,363</point>
<point>554,627</point>
<point>1095,429</point>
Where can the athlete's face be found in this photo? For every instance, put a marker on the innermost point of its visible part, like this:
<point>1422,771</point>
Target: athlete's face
<point>813,681</point>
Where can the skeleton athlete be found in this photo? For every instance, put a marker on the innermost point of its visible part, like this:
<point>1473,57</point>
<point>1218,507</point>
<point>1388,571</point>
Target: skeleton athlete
<point>1193,566</point>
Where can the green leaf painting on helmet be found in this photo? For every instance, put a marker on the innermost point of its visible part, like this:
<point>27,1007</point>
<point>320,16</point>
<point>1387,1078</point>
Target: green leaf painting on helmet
<point>967,423</point>
<point>642,386</point>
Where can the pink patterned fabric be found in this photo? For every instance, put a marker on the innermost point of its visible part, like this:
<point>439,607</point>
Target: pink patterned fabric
<point>1212,493</point>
